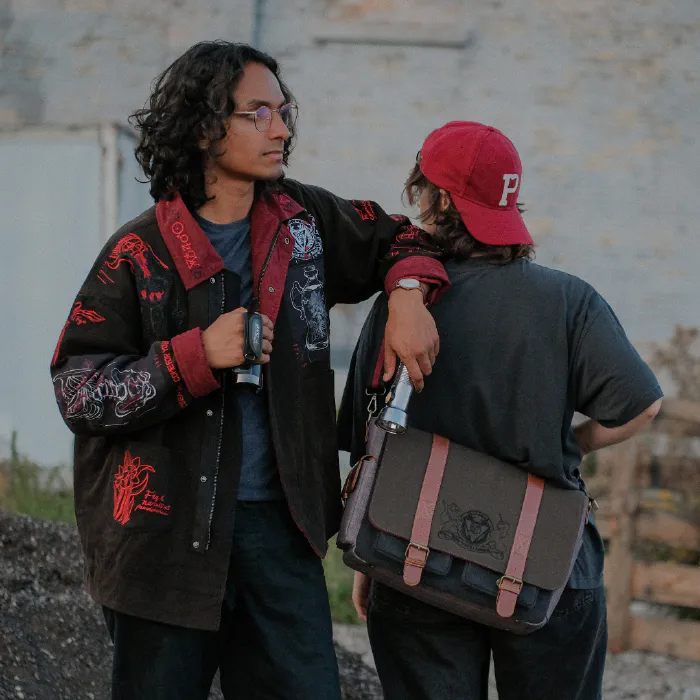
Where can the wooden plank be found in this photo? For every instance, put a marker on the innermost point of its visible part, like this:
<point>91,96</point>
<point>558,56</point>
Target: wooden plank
<point>671,637</point>
<point>620,558</point>
<point>681,409</point>
<point>668,529</point>
<point>671,584</point>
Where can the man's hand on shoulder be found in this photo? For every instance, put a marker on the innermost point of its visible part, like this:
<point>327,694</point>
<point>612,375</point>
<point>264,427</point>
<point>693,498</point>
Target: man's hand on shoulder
<point>411,334</point>
<point>224,339</point>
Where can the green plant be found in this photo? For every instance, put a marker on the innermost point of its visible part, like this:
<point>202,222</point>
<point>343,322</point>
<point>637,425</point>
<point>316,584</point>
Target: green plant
<point>26,487</point>
<point>339,582</point>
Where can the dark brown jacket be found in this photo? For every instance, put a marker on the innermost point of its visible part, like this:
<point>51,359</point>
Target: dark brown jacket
<point>158,433</point>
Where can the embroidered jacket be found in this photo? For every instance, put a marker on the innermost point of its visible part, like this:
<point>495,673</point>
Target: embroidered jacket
<point>158,433</point>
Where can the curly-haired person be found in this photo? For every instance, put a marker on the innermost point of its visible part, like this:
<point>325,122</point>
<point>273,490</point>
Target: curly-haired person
<point>204,505</point>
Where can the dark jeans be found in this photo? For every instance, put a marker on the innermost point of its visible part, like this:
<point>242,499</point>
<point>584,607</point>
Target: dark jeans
<point>423,653</point>
<point>275,639</point>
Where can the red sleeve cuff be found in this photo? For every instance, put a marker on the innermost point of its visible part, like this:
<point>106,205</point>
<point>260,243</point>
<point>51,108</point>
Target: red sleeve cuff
<point>191,359</point>
<point>422,268</point>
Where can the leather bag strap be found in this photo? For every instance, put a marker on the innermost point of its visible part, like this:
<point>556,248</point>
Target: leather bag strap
<point>511,583</point>
<point>417,551</point>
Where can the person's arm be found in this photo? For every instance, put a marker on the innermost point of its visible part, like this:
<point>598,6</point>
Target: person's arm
<point>591,435</point>
<point>614,388</point>
<point>366,250</point>
<point>106,380</point>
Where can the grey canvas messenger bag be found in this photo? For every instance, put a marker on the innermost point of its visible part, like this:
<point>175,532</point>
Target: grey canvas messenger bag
<point>460,530</point>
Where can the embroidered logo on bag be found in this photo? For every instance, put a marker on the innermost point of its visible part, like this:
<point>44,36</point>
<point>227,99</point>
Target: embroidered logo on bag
<point>130,481</point>
<point>473,530</point>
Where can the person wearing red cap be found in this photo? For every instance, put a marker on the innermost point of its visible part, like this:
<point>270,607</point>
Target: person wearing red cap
<point>523,348</point>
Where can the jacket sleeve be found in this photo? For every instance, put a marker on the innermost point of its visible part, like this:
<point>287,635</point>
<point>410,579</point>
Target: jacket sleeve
<point>365,249</point>
<point>105,379</point>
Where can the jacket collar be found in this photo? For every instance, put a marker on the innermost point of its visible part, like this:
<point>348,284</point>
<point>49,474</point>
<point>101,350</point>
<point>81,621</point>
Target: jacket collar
<point>193,254</point>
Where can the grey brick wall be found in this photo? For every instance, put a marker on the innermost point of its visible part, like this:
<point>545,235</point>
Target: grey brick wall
<point>599,96</point>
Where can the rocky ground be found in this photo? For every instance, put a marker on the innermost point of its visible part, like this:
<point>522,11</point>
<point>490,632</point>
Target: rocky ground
<point>53,645</point>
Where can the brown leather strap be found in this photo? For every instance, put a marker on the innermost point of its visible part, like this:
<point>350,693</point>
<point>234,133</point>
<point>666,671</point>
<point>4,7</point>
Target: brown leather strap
<point>417,551</point>
<point>511,583</point>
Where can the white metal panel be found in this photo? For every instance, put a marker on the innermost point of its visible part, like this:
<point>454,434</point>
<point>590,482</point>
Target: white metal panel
<point>49,198</point>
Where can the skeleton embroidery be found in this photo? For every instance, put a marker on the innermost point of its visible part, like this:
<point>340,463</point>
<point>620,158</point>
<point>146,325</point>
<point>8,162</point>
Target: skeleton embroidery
<point>84,392</point>
<point>310,302</point>
<point>131,249</point>
<point>473,530</point>
<point>79,316</point>
<point>129,481</point>
<point>307,240</point>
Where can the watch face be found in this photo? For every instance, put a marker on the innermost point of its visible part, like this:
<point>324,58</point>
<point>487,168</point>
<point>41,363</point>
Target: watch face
<point>408,284</point>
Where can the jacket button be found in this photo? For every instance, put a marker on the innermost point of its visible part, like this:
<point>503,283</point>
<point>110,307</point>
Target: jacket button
<point>212,280</point>
<point>286,241</point>
<point>202,478</point>
<point>271,289</point>
<point>195,545</point>
<point>210,413</point>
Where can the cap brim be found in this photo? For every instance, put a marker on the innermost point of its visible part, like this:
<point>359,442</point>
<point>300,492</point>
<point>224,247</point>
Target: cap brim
<point>493,226</point>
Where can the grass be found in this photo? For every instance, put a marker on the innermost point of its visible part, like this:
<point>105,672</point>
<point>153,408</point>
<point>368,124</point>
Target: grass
<point>339,582</point>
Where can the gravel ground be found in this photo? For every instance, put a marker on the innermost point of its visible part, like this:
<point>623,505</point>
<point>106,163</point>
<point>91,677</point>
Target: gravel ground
<point>53,645</point>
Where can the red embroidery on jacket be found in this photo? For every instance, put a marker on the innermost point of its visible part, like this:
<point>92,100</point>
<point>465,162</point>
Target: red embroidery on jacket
<point>80,317</point>
<point>172,371</point>
<point>129,482</point>
<point>153,503</point>
<point>188,254</point>
<point>131,248</point>
<point>364,209</point>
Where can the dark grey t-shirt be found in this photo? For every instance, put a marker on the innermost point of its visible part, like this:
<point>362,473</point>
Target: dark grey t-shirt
<point>522,347</point>
<point>259,475</point>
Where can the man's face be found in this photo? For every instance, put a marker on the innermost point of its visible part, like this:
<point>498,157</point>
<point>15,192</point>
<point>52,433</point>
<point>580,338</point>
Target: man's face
<point>246,153</point>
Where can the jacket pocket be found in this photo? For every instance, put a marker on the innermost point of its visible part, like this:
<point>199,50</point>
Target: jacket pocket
<point>140,489</point>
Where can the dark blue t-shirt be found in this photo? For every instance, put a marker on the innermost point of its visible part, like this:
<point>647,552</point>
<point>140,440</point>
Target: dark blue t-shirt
<point>259,475</point>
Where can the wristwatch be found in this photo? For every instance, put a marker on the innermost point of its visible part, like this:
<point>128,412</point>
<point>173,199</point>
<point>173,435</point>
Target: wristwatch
<point>408,283</point>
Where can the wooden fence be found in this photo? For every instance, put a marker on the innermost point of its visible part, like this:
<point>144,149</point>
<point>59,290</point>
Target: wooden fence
<point>650,490</point>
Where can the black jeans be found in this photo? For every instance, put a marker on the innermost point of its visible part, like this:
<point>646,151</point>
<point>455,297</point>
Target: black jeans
<point>423,653</point>
<point>275,640</point>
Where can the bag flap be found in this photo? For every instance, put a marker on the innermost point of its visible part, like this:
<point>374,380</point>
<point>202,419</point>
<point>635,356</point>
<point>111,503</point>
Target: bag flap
<point>478,508</point>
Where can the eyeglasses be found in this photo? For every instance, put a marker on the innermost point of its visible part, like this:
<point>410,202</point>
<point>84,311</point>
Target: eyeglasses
<point>262,116</point>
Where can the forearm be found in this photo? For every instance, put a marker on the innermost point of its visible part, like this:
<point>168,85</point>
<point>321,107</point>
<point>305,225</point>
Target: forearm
<point>591,435</point>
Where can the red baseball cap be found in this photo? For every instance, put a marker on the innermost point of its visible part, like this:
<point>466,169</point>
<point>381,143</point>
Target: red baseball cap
<point>481,170</point>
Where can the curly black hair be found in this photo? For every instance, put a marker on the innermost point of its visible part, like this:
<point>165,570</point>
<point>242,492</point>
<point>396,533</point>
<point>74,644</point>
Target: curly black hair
<point>190,103</point>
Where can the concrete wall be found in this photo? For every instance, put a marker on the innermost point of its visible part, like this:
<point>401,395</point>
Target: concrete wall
<point>599,96</point>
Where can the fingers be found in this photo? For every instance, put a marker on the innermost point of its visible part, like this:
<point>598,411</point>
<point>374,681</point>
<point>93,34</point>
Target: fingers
<point>267,323</point>
<point>389,362</point>
<point>415,373</point>
<point>268,333</point>
<point>425,364</point>
<point>266,347</point>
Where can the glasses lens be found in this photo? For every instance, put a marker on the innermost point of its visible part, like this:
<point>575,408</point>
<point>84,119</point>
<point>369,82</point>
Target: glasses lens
<point>263,118</point>
<point>288,113</point>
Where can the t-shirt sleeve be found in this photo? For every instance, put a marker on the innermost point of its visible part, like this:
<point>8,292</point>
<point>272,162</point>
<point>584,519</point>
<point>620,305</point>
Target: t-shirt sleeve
<point>613,384</point>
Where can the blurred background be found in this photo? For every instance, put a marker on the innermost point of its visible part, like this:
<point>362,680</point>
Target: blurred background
<point>600,97</point>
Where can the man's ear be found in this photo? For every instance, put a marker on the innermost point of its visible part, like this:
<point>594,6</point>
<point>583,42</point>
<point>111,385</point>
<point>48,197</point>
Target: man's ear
<point>445,200</point>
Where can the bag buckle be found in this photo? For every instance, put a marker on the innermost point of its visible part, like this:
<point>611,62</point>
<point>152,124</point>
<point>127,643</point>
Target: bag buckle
<point>517,584</point>
<point>420,563</point>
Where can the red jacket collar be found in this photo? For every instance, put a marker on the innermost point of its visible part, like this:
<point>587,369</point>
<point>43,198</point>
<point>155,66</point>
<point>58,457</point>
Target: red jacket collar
<point>191,250</point>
